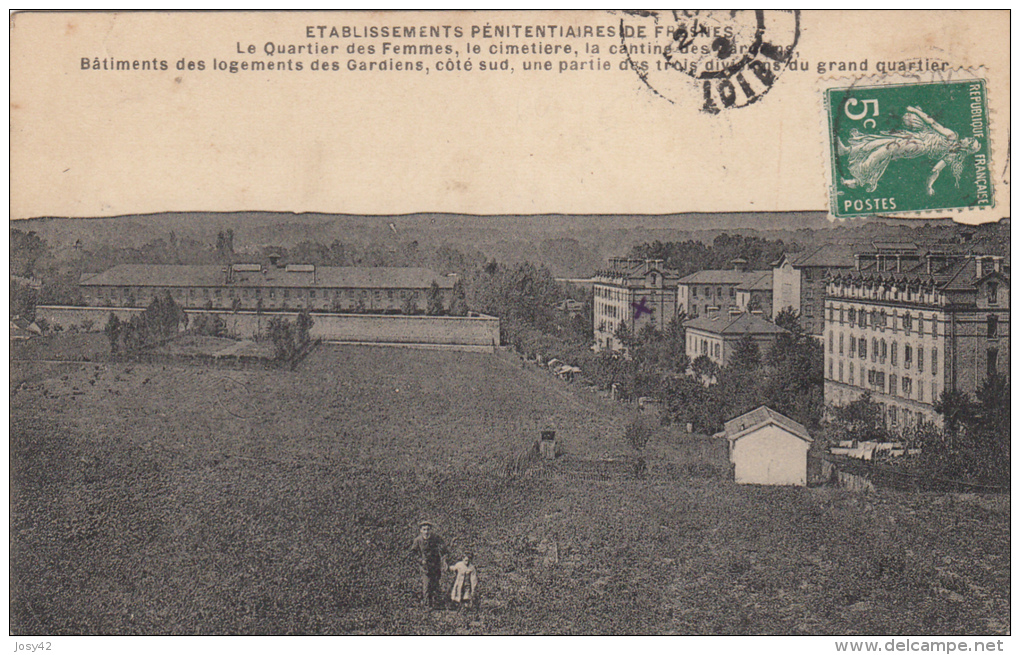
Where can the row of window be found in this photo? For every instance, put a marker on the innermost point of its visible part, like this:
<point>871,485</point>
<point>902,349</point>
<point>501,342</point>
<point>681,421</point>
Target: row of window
<point>703,347</point>
<point>881,351</point>
<point>879,319</point>
<point>706,291</point>
<point>877,381</point>
<point>337,294</point>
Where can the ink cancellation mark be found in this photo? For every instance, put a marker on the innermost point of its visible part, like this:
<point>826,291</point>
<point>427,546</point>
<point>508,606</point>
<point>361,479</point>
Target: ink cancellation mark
<point>733,56</point>
<point>909,147</point>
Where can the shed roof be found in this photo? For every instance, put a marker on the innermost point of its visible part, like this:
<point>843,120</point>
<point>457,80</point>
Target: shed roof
<point>744,424</point>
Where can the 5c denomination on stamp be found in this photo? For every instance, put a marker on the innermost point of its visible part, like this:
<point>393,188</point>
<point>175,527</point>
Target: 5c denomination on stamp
<point>891,147</point>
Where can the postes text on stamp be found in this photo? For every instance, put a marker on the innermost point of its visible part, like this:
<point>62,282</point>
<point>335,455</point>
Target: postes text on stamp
<point>909,148</point>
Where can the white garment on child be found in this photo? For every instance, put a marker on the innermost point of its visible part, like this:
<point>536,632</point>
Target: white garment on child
<point>465,573</point>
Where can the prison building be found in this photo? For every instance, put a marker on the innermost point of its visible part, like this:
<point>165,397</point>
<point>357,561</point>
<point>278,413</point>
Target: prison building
<point>907,324</point>
<point>633,293</point>
<point>755,296</point>
<point>716,336</point>
<point>291,287</point>
<point>714,291</point>
<point>798,282</point>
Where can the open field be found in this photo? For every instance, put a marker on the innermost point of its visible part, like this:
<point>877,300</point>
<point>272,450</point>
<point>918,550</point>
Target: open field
<point>175,499</point>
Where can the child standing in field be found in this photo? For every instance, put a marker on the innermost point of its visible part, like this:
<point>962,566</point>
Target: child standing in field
<point>465,587</point>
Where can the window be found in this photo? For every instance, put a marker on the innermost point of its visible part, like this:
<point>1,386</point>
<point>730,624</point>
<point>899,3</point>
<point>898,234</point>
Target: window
<point>718,292</point>
<point>920,325</point>
<point>892,384</point>
<point>920,392</point>
<point>892,353</point>
<point>841,370</point>
<point>993,326</point>
<point>993,293</point>
<point>892,416</point>
<point>830,368</point>
<point>908,323</point>
<point>934,392</point>
<point>311,293</point>
<point>853,346</point>
<point>830,342</point>
<point>885,351</point>
<point>694,292</point>
<point>908,356</point>
<point>733,291</point>
<point>874,349</point>
<point>853,318</point>
<point>840,343</point>
<point>851,371</point>
<point>920,360</point>
<point>831,315</point>
<point>862,348</point>
<point>907,385</point>
<point>934,361</point>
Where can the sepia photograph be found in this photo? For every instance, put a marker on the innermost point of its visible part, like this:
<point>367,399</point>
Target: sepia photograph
<point>680,323</point>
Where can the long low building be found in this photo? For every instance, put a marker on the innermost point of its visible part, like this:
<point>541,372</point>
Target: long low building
<point>272,287</point>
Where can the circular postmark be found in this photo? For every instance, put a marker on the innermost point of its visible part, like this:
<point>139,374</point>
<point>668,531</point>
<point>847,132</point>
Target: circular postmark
<point>732,57</point>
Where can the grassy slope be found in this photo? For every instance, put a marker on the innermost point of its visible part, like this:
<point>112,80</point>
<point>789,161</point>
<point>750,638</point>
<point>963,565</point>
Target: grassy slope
<point>185,500</point>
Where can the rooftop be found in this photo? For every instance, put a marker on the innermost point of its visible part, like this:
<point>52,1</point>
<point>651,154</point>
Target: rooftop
<point>741,425</point>
<point>728,276</point>
<point>245,275</point>
<point>738,324</point>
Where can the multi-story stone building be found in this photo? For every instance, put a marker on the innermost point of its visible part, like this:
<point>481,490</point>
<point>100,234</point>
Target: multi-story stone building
<point>714,291</point>
<point>906,325</point>
<point>272,287</point>
<point>798,282</point>
<point>634,293</point>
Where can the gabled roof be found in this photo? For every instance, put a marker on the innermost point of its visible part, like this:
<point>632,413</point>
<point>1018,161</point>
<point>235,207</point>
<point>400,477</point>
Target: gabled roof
<point>763,283</point>
<point>174,275</point>
<point>736,324</point>
<point>746,423</point>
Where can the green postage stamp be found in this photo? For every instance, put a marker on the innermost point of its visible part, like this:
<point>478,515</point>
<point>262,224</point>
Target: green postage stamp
<point>909,148</point>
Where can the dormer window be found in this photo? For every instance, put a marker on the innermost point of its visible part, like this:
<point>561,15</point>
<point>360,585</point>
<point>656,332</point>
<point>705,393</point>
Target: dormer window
<point>993,293</point>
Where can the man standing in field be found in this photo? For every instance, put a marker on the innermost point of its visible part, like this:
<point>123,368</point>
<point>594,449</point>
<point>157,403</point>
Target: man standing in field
<point>430,552</point>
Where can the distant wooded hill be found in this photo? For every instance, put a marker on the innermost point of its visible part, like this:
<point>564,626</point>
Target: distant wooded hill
<point>569,245</point>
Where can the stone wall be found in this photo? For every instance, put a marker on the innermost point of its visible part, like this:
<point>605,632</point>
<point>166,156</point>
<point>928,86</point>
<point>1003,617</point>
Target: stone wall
<point>476,330</point>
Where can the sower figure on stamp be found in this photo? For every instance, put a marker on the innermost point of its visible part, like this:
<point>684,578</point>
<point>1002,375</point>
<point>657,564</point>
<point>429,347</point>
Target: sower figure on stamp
<point>868,155</point>
<point>430,552</point>
<point>465,586</point>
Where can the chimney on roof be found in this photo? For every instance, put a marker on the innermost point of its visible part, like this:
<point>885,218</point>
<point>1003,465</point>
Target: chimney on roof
<point>653,263</point>
<point>980,261</point>
<point>739,264</point>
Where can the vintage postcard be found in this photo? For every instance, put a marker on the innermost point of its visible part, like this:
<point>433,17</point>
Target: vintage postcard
<point>669,322</point>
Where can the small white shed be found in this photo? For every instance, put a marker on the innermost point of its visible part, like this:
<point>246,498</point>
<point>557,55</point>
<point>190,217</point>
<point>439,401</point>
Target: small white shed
<point>768,448</point>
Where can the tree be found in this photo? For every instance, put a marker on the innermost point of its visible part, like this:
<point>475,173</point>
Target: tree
<point>303,327</point>
<point>112,331</point>
<point>746,355</point>
<point>459,307</point>
<point>789,319</point>
<point>281,332</point>
<point>705,368</point>
<point>860,420</point>
<point>410,305</point>
<point>434,300</point>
